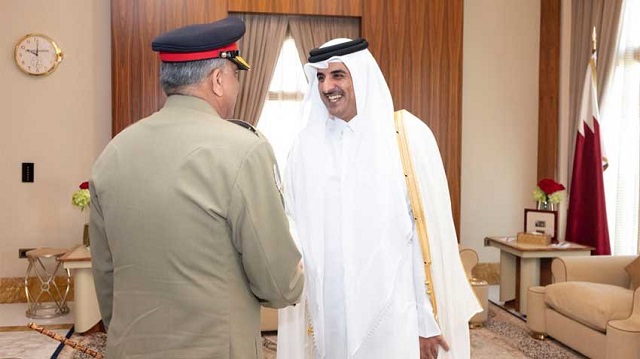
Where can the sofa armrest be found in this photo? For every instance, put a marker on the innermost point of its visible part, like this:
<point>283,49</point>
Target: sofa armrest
<point>536,316</point>
<point>623,336</point>
<point>596,269</point>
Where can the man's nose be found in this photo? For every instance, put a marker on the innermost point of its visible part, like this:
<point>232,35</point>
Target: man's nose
<point>326,86</point>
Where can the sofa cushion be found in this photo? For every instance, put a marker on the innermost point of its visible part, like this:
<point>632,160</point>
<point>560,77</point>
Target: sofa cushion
<point>592,304</point>
<point>633,269</point>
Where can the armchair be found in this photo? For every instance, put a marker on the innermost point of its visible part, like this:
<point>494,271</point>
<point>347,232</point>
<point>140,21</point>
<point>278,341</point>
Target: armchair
<point>591,307</point>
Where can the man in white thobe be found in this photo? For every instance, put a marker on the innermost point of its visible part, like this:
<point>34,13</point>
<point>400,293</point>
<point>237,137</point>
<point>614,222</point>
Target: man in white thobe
<point>349,209</point>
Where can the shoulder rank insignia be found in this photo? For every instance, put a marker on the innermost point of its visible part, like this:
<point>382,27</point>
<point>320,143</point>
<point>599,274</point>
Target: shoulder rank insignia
<point>245,125</point>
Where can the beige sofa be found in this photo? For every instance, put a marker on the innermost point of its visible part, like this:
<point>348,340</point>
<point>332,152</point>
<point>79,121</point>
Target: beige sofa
<point>469,257</point>
<point>589,307</point>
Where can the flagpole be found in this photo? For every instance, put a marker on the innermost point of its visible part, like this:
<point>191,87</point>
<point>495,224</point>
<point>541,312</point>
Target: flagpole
<point>594,55</point>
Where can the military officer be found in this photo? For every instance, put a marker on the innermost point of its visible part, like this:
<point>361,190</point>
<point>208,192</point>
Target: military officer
<point>188,230</point>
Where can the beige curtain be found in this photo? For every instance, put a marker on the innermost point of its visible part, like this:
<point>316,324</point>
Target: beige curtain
<point>260,46</point>
<point>585,14</point>
<point>312,31</point>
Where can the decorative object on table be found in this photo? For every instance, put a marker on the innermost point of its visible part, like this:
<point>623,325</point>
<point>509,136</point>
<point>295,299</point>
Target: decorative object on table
<point>548,194</point>
<point>541,222</point>
<point>82,199</point>
<point>534,238</point>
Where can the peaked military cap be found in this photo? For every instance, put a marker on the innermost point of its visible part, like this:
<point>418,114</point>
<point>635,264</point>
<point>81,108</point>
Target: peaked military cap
<point>203,41</point>
<point>345,48</point>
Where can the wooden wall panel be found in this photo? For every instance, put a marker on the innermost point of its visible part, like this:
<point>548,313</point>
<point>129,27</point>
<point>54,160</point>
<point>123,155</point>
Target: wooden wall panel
<point>549,88</point>
<point>299,7</point>
<point>418,45</point>
<point>136,91</point>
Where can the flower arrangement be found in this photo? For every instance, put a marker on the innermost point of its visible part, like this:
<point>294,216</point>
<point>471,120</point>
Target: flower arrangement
<point>82,198</point>
<point>549,190</point>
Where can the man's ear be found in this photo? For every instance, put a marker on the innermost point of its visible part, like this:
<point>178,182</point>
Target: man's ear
<point>216,82</point>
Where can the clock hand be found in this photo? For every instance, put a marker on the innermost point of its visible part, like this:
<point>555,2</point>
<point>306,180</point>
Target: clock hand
<point>37,49</point>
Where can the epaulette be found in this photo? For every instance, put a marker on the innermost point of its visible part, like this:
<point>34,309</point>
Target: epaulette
<point>245,125</point>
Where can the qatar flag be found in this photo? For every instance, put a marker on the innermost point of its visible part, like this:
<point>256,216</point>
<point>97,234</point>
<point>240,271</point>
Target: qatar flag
<point>587,214</point>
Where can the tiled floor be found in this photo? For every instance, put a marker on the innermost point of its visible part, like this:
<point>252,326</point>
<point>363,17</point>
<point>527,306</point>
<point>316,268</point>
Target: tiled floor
<point>19,342</point>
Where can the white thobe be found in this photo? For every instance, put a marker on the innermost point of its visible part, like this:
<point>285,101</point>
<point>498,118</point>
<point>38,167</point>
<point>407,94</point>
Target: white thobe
<point>382,272</point>
<point>342,137</point>
<point>339,135</point>
<point>409,312</point>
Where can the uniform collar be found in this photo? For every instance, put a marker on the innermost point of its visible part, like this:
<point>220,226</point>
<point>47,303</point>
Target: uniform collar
<point>191,102</point>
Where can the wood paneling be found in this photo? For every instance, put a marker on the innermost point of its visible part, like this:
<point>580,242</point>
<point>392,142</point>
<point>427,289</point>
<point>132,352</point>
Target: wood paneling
<point>136,91</point>
<point>549,88</point>
<point>299,7</point>
<point>418,45</point>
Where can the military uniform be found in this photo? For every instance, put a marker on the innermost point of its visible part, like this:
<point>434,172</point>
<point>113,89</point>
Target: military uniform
<point>189,236</point>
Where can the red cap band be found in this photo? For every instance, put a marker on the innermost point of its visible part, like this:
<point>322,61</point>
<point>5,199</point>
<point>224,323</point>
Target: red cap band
<point>194,56</point>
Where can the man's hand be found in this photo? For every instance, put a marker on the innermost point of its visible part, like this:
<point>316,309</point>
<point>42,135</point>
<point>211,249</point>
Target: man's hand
<point>429,346</point>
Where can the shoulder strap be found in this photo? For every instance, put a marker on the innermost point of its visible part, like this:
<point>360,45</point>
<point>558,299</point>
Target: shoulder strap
<point>245,125</point>
<point>416,205</point>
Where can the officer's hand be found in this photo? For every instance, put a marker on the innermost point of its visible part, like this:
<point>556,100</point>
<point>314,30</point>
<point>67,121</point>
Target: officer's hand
<point>429,346</point>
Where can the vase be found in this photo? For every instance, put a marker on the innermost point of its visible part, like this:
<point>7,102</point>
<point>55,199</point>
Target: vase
<point>545,206</point>
<point>85,235</point>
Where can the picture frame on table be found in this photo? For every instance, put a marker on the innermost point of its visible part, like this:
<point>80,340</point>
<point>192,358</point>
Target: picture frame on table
<point>541,221</point>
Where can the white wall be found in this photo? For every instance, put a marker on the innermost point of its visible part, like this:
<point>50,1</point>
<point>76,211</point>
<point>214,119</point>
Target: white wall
<point>60,122</point>
<point>499,118</point>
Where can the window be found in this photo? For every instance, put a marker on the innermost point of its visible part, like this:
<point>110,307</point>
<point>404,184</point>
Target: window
<point>280,120</point>
<point>621,137</point>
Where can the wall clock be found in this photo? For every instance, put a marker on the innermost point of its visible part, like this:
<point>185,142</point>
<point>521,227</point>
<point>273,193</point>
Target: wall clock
<point>37,54</point>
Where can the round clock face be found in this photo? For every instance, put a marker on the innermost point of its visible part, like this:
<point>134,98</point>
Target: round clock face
<point>37,54</point>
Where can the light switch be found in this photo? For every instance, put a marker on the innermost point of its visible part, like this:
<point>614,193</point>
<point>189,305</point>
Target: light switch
<point>27,171</point>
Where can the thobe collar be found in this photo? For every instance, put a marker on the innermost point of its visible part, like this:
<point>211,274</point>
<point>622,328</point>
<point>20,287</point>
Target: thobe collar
<point>336,123</point>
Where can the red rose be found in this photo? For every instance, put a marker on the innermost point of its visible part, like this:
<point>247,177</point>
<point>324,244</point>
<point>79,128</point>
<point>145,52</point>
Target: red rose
<point>84,185</point>
<point>550,186</point>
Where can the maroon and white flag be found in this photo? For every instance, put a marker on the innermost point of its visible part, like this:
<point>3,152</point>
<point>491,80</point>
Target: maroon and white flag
<point>587,215</point>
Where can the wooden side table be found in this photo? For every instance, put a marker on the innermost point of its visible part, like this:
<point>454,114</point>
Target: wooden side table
<point>44,264</point>
<point>526,265</point>
<point>85,309</point>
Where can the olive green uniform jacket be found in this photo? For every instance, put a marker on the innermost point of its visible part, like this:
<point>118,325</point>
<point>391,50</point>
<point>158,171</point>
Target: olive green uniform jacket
<point>189,236</point>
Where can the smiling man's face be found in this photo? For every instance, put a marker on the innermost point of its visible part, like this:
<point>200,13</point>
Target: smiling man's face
<point>336,91</point>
